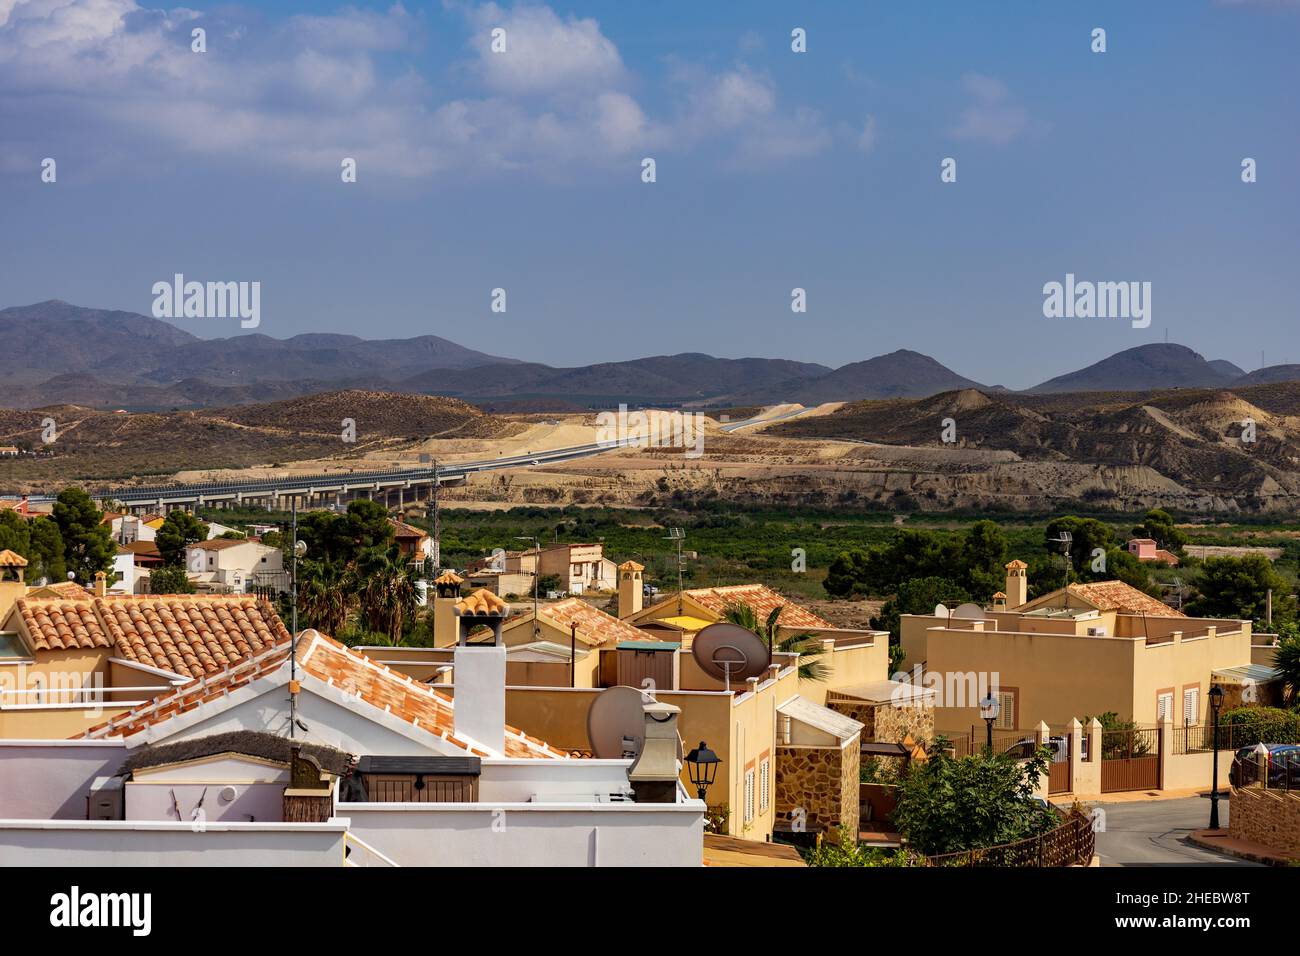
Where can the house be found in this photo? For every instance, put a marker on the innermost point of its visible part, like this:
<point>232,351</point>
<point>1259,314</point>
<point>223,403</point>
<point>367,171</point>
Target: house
<point>68,657</point>
<point>559,661</point>
<point>501,583</point>
<point>580,567</point>
<point>415,543</point>
<point>1085,649</point>
<point>226,565</point>
<point>341,760</point>
<point>1145,549</point>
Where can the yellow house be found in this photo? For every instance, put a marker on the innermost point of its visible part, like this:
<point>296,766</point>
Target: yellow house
<point>1079,651</point>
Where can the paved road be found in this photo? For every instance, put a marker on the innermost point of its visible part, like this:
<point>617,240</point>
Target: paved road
<point>1154,832</point>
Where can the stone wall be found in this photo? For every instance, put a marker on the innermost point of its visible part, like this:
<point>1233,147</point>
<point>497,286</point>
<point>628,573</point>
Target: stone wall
<point>1270,817</point>
<point>823,781</point>
<point>885,723</point>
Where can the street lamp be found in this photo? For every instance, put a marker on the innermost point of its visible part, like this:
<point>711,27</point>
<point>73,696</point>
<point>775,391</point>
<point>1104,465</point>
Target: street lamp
<point>1216,701</point>
<point>989,711</point>
<point>702,764</point>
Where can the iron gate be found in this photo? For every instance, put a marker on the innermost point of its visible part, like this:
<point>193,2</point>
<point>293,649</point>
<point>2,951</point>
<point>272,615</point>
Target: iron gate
<point>1130,759</point>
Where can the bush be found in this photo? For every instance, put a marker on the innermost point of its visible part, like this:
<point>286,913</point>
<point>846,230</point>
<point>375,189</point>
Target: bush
<point>1270,725</point>
<point>848,852</point>
<point>172,580</point>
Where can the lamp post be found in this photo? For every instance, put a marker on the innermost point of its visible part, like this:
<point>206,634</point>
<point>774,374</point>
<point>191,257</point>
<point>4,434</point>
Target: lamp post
<point>989,711</point>
<point>1216,701</point>
<point>702,764</point>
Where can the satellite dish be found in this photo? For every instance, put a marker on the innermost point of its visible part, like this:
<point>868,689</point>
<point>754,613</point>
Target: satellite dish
<point>940,610</point>
<point>730,652</point>
<point>616,723</point>
<point>969,612</point>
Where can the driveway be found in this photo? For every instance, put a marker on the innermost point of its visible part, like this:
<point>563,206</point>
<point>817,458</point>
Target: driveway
<point>1154,832</point>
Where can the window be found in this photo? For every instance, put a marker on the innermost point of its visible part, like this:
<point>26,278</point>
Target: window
<point>1165,706</point>
<point>764,784</point>
<point>1006,719</point>
<point>1191,705</point>
<point>749,795</point>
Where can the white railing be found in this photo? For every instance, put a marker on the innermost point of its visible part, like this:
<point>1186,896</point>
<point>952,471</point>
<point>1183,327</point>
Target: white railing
<point>353,842</point>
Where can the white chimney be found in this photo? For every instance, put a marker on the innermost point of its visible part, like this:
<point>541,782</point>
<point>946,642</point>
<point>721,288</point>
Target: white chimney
<point>479,710</point>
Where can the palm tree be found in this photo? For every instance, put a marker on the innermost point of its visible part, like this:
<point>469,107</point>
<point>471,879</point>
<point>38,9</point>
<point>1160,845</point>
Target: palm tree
<point>389,594</point>
<point>806,646</point>
<point>326,595</point>
<point>1287,660</point>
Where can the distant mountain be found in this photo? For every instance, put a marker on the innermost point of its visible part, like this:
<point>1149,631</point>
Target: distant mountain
<point>1270,375</point>
<point>677,379</point>
<point>900,374</point>
<point>1156,366</point>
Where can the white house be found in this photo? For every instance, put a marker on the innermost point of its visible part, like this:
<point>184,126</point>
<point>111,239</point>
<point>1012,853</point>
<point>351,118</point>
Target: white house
<point>232,564</point>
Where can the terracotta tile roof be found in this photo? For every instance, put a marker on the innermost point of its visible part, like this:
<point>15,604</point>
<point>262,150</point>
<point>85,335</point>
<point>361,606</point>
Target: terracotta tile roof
<point>186,634</point>
<point>449,577</point>
<point>595,627</point>
<point>352,673</point>
<point>403,530</point>
<point>631,566</point>
<point>67,590</point>
<point>12,559</point>
<point>401,696</point>
<point>761,598</point>
<point>1016,565</point>
<point>220,544</point>
<point>482,603</point>
<point>1118,596</point>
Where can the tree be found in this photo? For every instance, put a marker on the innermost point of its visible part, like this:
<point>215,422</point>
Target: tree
<point>170,580</point>
<point>45,555</point>
<point>806,646</point>
<point>389,595</point>
<point>326,595</point>
<point>946,805</point>
<point>1238,588</point>
<point>918,596</point>
<point>179,530</point>
<point>87,542</point>
<point>1089,536</point>
<point>984,559</point>
<point>1287,660</point>
<point>1159,526</point>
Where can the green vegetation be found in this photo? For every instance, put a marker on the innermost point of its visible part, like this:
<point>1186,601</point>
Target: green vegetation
<point>39,541</point>
<point>807,646</point>
<point>170,580</point>
<point>87,542</point>
<point>179,530</point>
<point>1270,725</point>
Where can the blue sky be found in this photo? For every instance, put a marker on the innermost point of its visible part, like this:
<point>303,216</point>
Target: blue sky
<point>775,170</point>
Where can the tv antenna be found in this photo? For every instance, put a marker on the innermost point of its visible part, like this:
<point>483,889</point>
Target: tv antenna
<point>1065,539</point>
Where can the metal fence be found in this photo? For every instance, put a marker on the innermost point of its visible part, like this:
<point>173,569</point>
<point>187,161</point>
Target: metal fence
<point>1198,738</point>
<point>966,743</point>
<point>1130,759</point>
<point>1072,843</point>
<point>1272,772</point>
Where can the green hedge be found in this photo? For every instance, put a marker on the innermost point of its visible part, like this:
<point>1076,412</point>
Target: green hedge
<point>1270,725</point>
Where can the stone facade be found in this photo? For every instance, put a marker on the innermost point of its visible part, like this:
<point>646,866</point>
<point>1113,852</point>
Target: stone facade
<point>821,780</point>
<point>885,723</point>
<point>1270,817</point>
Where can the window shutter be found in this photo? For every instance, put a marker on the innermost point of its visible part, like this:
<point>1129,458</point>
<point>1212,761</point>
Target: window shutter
<point>1164,707</point>
<point>749,796</point>
<point>764,785</point>
<point>1006,710</point>
<point>1191,705</point>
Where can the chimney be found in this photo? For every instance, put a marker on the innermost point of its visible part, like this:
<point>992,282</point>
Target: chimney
<point>655,771</point>
<point>1017,584</point>
<point>479,711</point>
<point>101,584</point>
<point>630,594</point>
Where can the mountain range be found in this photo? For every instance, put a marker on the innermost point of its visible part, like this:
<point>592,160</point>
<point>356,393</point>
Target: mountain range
<point>57,353</point>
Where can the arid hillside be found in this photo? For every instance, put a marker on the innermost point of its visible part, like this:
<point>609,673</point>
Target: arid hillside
<point>93,445</point>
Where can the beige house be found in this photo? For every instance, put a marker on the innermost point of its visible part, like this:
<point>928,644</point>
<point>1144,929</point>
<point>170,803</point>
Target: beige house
<point>1079,651</point>
<point>232,565</point>
<point>580,567</point>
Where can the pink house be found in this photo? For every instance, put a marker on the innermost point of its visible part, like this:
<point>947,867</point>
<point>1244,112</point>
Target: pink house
<point>1144,549</point>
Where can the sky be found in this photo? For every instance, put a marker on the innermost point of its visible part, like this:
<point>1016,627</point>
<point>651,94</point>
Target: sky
<point>523,170</point>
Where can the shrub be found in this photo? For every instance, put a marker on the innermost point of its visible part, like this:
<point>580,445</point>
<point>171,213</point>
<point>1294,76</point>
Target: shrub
<point>1270,725</point>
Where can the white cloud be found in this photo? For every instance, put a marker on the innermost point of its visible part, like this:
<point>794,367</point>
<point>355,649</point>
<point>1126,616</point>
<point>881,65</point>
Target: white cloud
<point>106,80</point>
<point>994,117</point>
<point>543,53</point>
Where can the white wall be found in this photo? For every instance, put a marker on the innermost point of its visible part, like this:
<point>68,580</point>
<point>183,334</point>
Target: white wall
<point>49,779</point>
<point>549,835</point>
<point>169,845</point>
<point>517,781</point>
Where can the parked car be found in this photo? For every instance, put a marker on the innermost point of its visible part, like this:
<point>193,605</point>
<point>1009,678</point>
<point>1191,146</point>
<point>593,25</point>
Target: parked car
<point>1283,760</point>
<point>1024,749</point>
<point>649,590</point>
